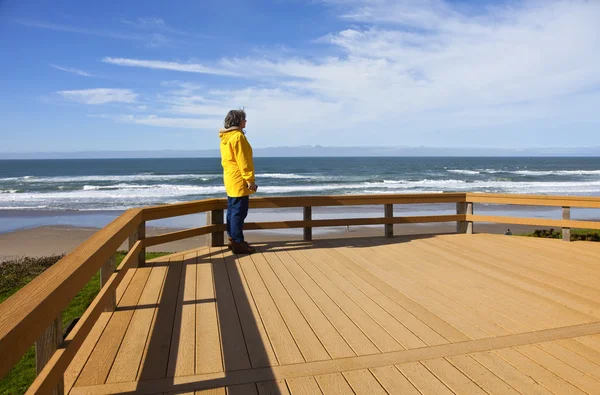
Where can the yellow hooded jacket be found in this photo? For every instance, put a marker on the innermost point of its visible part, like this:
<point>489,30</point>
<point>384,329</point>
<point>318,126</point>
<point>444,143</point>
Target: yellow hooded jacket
<point>236,159</point>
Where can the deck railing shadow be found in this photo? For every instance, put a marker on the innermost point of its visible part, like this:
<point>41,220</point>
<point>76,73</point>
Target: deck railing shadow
<point>33,314</point>
<point>232,305</point>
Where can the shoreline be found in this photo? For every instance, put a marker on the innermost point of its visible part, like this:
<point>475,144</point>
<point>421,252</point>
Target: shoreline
<point>60,239</point>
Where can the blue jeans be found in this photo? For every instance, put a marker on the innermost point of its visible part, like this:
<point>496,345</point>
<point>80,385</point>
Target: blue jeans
<point>237,210</point>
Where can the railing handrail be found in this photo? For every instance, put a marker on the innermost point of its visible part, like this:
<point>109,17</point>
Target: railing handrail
<point>24,315</point>
<point>534,200</point>
<point>198,206</point>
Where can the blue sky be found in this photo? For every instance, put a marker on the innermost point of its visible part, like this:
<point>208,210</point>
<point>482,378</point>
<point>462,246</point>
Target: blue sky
<point>148,75</point>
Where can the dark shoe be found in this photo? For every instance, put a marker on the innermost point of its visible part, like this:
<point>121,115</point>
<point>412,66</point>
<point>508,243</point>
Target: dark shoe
<point>229,245</point>
<point>242,248</point>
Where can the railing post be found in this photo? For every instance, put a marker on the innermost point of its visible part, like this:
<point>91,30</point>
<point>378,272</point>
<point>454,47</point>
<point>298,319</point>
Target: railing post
<point>566,215</point>
<point>464,226</point>
<point>307,217</point>
<point>389,213</point>
<point>105,272</point>
<point>45,347</point>
<point>215,217</point>
<point>139,234</point>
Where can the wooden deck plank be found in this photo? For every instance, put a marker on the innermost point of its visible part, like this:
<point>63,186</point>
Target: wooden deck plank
<point>208,338</point>
<point>581,349</point>
<point>333,384</point>
<point>549,311</point>
<point>122,287</point>
<point>441,259</point>
<point>423,379</point>
<point>75,367</point>
<point>552,254</point>
<point>453,286</point>
<point>278,387</point>
<point>333,342</point>
<point>363,382</point>
<point>259,346</point>
<point>359,342</point>
<point>155,359</point>
<point>126,365</point>
<point>328,296</point>
<point>555,262</point>
<point>561,369</point>
<point>182,356</point>
<point>376,277</point>
<point>452,377</point>
<point>393,381</point>
<point>537,268</point>
<point>509,374</point>
<point>389,323</point>
<point>235,352</point>
<point>493,292</point>
<point>572,358</point>
<point>414,271</point>
<point>555,285</point>
<point>371,258</point>
<point>97,368</point>
<point>242,389</point>
<point>590,341</point>
<point>306,339</point>
<point>303,386</point>
<point>383,340</point>
<point>428,335</point>
<point>537,372</point>
<point>80,359</point>
<point>484,378</point>
<point>213,391</point>
<point>285,347</point>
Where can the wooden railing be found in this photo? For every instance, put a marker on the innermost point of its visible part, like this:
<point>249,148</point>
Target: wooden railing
<point>33,314</point>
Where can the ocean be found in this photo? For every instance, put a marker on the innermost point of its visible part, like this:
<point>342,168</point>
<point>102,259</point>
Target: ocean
<point>92,192</point>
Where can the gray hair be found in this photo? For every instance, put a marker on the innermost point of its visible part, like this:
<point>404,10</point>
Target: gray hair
<point>234,118</point>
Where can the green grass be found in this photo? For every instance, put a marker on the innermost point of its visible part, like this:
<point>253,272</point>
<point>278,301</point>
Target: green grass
<point>576,234</point>
<point>14,275</point>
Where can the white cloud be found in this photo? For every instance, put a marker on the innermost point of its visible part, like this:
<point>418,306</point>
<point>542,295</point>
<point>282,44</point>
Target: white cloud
<point>156,24</point>
<point>414,68</point>
<point>171,122</point>
<point>100,96</point>
<point>163,65</point>
<point>73,71</point>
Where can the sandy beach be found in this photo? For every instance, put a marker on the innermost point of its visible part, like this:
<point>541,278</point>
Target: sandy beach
<point>56,240</point>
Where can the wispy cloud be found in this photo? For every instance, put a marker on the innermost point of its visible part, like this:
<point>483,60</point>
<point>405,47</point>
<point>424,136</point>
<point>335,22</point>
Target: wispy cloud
<point>156,24</point>
<point>88,31</point>
<point>170,122</point>
<point>100,96</point>
<point>406,66</point>
<point>165,65</point>
<point>152,32</point>
<point>73,71</point>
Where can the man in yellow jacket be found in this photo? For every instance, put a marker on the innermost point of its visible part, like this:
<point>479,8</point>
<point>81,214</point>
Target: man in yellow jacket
<point>238,176</point>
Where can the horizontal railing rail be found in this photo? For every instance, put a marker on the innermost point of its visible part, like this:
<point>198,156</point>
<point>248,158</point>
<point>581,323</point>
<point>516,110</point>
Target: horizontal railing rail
<point>31,315</point>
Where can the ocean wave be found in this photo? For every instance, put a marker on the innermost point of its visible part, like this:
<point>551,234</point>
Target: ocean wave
<point>158,191</point>
<point>470,172</point>
<point>9,190</point>
<point>23,207</point>
<point>557,172</point>
<point>113,178</point>
<point>284,176</point>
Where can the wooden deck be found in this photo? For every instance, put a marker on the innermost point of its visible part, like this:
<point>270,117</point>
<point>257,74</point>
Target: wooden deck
<point>447,314</point>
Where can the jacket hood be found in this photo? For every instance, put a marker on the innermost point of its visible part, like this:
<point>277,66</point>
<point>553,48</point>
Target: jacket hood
<point>225,134</point>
